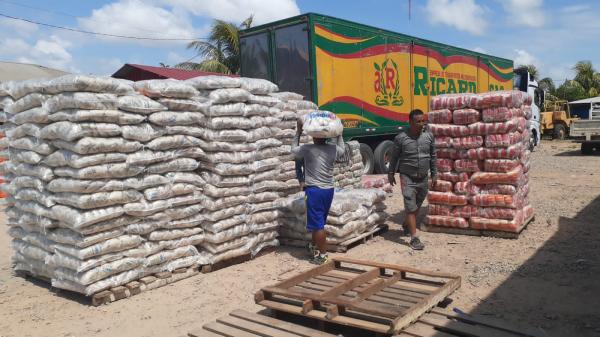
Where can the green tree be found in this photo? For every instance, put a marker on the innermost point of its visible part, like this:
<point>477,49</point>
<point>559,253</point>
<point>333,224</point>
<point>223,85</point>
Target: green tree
<point>571,90</point>
<point>220,53</point>
<point>531,68</point>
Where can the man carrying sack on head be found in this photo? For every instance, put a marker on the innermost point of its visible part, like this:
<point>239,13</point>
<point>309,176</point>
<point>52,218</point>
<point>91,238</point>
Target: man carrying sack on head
<point>318,159</point>
<point>413,156</point>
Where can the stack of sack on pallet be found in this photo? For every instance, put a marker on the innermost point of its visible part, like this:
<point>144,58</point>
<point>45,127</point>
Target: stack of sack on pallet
<point>5,100</point>
<point>482,143</point>
<point>111,181</point>
<point>348,171</point>
<point>353,212</point>
<point>102,192</point>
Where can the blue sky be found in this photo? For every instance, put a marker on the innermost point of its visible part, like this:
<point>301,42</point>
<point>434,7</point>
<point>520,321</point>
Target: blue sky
<point>552,34</point>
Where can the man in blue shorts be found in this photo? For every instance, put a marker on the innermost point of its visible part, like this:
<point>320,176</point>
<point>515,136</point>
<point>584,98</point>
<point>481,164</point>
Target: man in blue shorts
<point>318,161</point>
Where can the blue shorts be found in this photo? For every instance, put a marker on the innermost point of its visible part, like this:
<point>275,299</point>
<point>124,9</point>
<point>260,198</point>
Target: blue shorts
<point>318,203</point>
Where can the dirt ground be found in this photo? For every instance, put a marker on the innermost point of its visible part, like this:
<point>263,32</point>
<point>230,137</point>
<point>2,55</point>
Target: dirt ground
<point>548,278</point>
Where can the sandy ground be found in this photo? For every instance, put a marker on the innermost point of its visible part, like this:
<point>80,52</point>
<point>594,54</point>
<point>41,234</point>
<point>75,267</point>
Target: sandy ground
<point>548,278</point>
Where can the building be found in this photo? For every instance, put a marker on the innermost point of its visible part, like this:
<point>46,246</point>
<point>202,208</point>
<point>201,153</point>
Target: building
<point>588,108</point>
<point>138,72</point>
<point>15,71</point>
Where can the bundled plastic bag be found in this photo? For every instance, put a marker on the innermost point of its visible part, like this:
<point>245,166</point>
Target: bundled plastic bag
<point>503,140</point>
<point>483,129</point>
<point>214,82</point>
<point>466,143</point>
<point>446,221</point>
<point>507,98</point>
<point>81,100</point>
<point>220,96</point>
<point>165,88</point>
<point>443,116</point>
<point>446,198</point>
<point>443,142</point>
<point>98,116</point>
<point>97,84</point>
<point>465,116</point>
<point>322,124</point>
<point>500,114</point>
<point>449,130</point>
<point>448,153</point>
<point>509,178</point>
<point>454,177</point>
<point>69,132</point>
<point>500,165</point>
<point>497,200</point>
<point>258,86</point>
<point>467,165</point>
<point>442,186</point>
<point>449,101</point>
<point>445,165</point>
<point>139,104</point>
<point>482,153</point>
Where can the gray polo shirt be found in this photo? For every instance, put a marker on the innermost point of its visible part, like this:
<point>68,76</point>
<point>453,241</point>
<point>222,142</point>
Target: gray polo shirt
<point>414,156</point>
<point>318,161</point>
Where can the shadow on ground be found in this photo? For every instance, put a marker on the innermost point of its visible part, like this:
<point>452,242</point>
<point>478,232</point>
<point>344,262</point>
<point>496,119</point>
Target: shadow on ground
<point>541,291</point>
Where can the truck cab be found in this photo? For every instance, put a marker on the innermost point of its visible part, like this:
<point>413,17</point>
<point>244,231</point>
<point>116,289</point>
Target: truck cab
<point>523,81</point>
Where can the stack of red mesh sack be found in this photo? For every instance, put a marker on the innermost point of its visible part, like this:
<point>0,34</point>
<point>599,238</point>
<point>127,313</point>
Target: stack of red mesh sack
<point>483,160</point>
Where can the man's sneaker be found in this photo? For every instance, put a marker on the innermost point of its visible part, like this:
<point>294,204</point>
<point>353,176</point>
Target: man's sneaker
<point>416,244</point>
<point>320,258</point>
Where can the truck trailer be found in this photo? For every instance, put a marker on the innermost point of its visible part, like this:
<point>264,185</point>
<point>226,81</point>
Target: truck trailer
<point>372,78</point>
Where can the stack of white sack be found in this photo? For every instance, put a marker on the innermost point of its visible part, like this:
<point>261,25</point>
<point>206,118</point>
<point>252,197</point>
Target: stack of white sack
<point>483,161</point>
<point>353,212</point>
<point>94,193</point>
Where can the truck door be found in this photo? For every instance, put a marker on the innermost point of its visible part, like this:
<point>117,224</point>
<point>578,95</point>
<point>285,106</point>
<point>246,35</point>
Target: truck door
<point>292,66</point>
<point>254,60</point>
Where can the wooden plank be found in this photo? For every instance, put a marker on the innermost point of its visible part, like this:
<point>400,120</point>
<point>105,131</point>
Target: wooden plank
<point>320,315</point>
<point>419,329</point>
<point>226,330</point>
<point>103,297</point>
<point>147,279</point>
<point>394,267</point>
<point>120,292</point>
<point>306,275</point>
<point>412,294</point>
<point>427,303</point>
<point>351,283</point>
<point>490,322</point>
<point>134,287</point>
<point>378,286</point>
<point>203,333</point>
<point>163,275</point>
<point>281,325</point>
<point>462,328</point>
<point>252,327</point>
<point>380,298</point>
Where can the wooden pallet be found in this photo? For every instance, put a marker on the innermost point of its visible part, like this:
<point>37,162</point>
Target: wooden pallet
<point>477,232</point>
<point>144,284</point>
<point>378,297</point>
<point>209,268</point>
<point>341,247</point>
<point>240,323</point>
<point>445,323</point>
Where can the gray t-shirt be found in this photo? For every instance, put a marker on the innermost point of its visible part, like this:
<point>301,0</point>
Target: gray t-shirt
<point>318,161</point>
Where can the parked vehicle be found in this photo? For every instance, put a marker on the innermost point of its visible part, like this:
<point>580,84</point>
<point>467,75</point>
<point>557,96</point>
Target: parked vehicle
<point>370,77</point>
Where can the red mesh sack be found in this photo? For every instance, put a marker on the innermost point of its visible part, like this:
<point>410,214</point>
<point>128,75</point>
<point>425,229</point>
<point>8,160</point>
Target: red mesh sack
<point>509,178</point>
<point>446,221</point>
<point>466,143</point>
<point>449,130</point>
<point>466,116</point>
<point>443,142</point>
<point>482,153</point>
<point>444,165</point>
<point>503,140</point>
<point>453,176</point>
<point>461,187</point>
<point>467,165</point>
<point>446,198</point>
<point>439,210</point>
<point>500,165</point>
<point>449,101</point>
<point>442,186</point>
<point>443,116</point>
<point>484,129</point>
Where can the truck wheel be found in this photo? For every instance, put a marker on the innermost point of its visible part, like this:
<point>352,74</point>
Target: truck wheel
<point>560,132</point>
<point>382,156</point>
<point>587,148</point>
<point>367,158</point>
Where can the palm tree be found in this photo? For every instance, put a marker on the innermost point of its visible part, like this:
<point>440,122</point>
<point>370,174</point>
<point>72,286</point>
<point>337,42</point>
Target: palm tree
<point>221,51</point>
<point>547,84</point>
<point>587,76</point>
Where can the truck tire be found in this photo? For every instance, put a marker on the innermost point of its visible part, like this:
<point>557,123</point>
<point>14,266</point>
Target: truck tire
<point>587,148</point>
<point>382,156</point>
<point>560,132</point>
<point>367,158</point>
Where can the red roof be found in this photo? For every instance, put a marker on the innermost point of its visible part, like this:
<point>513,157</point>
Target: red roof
<point>139,72</point>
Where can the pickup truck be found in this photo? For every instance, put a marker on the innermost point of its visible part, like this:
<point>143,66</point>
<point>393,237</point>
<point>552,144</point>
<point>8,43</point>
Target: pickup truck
<point>589,130</point>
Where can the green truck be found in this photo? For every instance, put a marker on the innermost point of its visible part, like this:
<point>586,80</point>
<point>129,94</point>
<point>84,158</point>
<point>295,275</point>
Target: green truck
<point>370,77</point>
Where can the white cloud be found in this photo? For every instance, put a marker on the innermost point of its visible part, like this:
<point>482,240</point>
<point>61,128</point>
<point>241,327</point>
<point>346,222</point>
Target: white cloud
<point>238,10</point>
<point>522,57</point>
<point>51,52</point>
<point>464,15</point>
<point>18,27</point>
<point>137,18</point>
<point>527,13</point>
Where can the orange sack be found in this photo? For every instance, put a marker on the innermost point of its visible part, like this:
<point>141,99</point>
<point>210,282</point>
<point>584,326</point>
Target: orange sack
<point>446,221</point>
<point>446,198</point>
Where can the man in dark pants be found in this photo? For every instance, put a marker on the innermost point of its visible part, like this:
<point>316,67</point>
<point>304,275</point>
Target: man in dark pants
<point>413,156</point>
